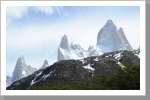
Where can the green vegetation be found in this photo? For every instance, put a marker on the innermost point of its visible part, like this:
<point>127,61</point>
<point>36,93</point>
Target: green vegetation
<point>58,86</point>
<point>127,78</point>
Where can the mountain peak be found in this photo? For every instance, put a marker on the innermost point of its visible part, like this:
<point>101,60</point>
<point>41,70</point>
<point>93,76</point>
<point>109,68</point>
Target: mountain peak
<point>21,60</point>
<point>121,30</point>
<point>109,22</point>
<point>21,69</point>
<point>64,42</point>
<point>111,37</point>
<point>45,64</point>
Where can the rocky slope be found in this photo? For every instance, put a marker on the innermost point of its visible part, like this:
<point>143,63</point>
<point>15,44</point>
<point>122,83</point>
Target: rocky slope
<point>71,71</point>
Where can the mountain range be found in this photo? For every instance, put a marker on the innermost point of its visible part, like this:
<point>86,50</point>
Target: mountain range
<point>72,71</point>
<point>22,70</point>
<point>109,39</point>
<point>111,49</point>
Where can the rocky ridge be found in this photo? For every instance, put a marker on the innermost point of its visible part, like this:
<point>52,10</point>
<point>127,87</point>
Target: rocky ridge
<point>109,39</point>
<point>71,71</point>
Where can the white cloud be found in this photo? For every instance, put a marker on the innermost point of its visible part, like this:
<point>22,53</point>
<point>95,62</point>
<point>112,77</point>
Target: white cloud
<point>18,12</point>
<point>44,9</point>
<point>58,9</point>
<point>15,12</point>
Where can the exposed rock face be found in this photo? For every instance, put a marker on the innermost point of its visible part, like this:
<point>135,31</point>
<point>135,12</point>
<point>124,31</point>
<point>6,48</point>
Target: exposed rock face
<point>63,49</point>
<point>45,64</point>
<point>94,51</point>
<point>72,51</point>
<point>110,37</point>
<point>8,80</point>
<point>71,71</point>
<point>138,49</point>
<point>64,42</point>
<point>21,69</point>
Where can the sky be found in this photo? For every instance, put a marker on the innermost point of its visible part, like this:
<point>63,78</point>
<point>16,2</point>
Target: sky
<point>35,32</point>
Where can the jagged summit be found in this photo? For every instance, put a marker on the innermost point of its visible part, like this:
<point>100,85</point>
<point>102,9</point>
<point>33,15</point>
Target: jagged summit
<point>110,23</point>
<point>70,72</point>
<point>45,64</point>
<point>64,42</point>
<point>21,69</point>
<point>112,38</point>
<point>21,60</point>
<point>109,39</point>
<point>72,51</point>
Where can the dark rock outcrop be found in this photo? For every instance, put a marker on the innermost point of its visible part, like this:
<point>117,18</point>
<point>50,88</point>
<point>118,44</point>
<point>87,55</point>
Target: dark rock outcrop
<point>72,71</point>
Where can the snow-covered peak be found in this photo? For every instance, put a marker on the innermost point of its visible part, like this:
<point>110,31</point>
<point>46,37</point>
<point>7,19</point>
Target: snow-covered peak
<point>111,37</point>
<point>94,51</point>
<point>21,69</point>
<point>75,46</point>
<point>21,60</point>
<point>90,47</point>
<point>64,42</point>
<point>72,51</point>
<point>45,64</point>
<point>109,22</point>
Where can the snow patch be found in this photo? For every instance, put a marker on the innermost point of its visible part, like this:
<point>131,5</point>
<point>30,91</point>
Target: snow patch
<point>33,81</point>
<point>117,56</point>
<point>88,67</point>
<point>23,73</point>
<point>42,78</point>
<point>45,76</point>
<point>83,61</point>
<point>120,64</point>
<point>96,59</point>
<point>138,55</point>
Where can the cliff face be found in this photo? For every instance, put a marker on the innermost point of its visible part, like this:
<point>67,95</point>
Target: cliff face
<point>111,37</point>
<point>22,69</point>
<point>71,71</point>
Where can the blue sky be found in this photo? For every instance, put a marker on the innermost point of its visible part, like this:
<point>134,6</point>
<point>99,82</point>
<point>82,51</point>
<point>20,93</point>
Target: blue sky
<point>35,32</point>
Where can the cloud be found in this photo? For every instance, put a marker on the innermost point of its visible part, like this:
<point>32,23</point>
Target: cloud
<point>58,9</point>
<point>44,9</point>
<point>15,12</point>
<point>18,12</point>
